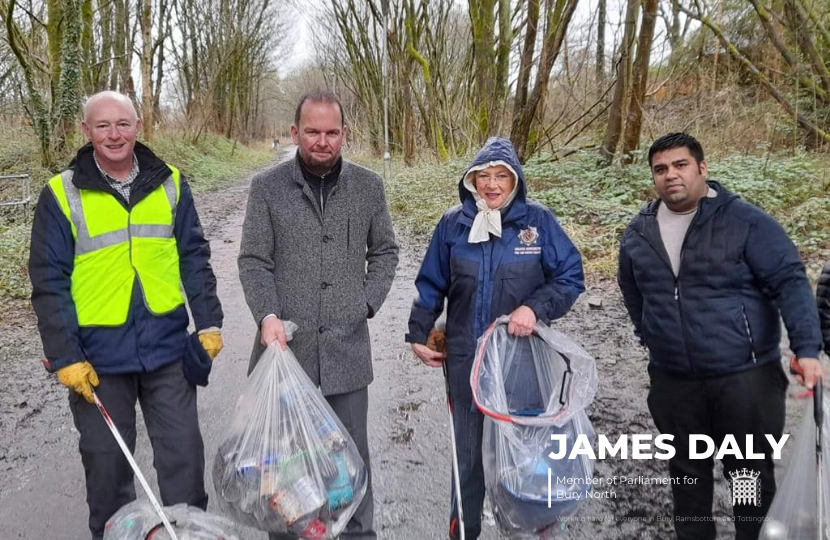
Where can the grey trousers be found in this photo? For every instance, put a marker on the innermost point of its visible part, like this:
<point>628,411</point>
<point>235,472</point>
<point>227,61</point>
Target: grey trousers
<point>352,410</point>
<point>168,404</point>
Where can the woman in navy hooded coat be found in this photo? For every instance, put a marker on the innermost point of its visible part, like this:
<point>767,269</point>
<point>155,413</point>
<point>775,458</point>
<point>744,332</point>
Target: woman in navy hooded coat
<point>494,254</point>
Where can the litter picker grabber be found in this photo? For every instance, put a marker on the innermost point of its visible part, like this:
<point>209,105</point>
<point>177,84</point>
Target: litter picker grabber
<point>455,475</point>
<point>818,416</point>
<point>134,465</point>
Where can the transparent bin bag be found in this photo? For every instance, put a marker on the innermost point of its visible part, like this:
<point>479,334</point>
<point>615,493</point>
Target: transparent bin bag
<point>287,463</point>
<point>138,521</point>
<point>793,514</point>
<point>522,479</point>
<point>542,379</point>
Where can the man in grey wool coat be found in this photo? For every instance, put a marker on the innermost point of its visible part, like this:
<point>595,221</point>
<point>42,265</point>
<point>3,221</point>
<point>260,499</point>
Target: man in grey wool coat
<point>318,249</point>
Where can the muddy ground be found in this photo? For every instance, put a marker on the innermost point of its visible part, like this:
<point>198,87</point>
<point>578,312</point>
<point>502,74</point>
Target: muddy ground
<point>41,479</point>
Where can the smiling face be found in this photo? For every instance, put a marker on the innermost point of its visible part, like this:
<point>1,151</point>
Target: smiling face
<point>111,125</point>
<point>319,135</point>
<point>680,181</point>
<point>494,185</point>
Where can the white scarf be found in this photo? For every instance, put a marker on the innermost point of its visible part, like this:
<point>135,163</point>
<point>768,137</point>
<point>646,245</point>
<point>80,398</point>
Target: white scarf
<point>488,220</point>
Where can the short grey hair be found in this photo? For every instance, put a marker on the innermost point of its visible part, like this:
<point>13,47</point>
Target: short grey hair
<point>108,94</point>
<point>319,96</point>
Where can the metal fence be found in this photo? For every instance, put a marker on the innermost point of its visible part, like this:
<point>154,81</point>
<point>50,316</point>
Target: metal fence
<point>25,192</point>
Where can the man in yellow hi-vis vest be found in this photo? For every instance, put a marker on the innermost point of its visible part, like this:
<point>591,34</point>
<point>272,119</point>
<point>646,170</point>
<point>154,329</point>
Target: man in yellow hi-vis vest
<point>116,247</point>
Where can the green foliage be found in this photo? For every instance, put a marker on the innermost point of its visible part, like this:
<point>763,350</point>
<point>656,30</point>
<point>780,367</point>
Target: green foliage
<point>19,154</point>
<point>594,205</point>
<point>212,162</point>
<point>795,189</point>
<point>14,257</point>
<point>419,195</point>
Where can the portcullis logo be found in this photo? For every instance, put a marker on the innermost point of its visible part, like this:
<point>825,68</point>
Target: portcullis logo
<point>746,487</point>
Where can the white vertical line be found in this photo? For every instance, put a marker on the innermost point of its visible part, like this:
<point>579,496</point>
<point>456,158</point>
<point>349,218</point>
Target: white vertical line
<point>550,473</point>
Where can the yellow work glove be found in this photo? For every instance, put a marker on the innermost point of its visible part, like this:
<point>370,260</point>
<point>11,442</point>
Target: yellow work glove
<point>212,343</point>
<point>80,377</point>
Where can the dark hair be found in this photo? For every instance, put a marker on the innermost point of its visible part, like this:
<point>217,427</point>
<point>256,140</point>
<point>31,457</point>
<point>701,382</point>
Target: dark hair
<point>319,96</point>
<point>676,140</point>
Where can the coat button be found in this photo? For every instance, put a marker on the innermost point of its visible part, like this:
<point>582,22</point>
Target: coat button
<point>325,285</point>
<point>326,238</point>
<point>321,329</point>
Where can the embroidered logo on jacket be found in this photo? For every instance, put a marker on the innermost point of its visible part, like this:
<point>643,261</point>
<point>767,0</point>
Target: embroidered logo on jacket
<point>528,237</point>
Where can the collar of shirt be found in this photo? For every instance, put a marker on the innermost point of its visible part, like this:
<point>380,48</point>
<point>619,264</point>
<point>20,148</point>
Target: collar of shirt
<point>115,182</point>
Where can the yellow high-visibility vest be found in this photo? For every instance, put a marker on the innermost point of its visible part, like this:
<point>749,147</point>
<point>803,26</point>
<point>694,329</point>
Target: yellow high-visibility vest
<point>113,246</point>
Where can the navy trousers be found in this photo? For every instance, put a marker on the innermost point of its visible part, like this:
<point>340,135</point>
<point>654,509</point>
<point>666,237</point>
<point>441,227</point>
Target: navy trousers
<point>468,423</point>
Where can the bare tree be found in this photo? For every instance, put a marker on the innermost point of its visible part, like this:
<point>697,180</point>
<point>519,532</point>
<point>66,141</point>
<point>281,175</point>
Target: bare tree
<point>623,69</point>
<point>558,14</point>
<point>805,62</point>
<point>492,38</point>
<point>634,119</point>
<point>601,16</point>
<point>52,86</point>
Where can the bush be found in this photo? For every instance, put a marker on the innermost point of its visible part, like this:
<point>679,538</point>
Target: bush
<point>213,161</point>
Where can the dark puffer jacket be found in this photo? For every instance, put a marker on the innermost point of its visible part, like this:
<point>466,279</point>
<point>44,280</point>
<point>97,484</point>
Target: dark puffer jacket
<point>738,271</point>
<point>823,301</point>
<point>540,269</point>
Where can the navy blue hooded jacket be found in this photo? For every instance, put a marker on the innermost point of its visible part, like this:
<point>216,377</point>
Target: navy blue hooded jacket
<point>720,315</point>
<point>482,281</point>
<point>145,342</point>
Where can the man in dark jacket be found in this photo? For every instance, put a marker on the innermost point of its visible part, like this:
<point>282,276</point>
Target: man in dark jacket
<point>115,239</point>
<point>318,249</point>
<point>705,276</point>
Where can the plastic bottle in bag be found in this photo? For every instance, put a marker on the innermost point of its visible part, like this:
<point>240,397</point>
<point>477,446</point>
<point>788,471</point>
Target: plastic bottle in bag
<point>340,489</point>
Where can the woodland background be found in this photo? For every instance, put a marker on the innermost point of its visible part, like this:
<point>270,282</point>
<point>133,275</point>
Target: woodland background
<point>581,87</point>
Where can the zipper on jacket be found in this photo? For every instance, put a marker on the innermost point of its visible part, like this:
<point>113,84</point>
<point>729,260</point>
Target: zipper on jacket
<point>677,289</point>
<point>677,292</point>
<point>749,334</point>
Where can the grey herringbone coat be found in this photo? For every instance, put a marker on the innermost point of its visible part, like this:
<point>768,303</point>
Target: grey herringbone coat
<point>320,271</point>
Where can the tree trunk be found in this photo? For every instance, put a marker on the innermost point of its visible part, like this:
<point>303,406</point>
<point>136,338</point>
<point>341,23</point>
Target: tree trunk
<point>600,72</point>
<point>559,14</point>
<point>484,78</point>
<point>634,120</point>
<point>615,113</point>
<point>146,63</point>
<point>69,97</point>
<point>54,35</point>
<point>37,108</point>
<point>104,70</point>
<point>87,48</point>
<point>526,61</point>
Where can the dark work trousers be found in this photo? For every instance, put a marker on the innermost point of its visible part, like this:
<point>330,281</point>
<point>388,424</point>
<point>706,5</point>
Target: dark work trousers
<point>468,423</point>
<point>746,403</point>
<point>168,404</point>
<point>352,409</point>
